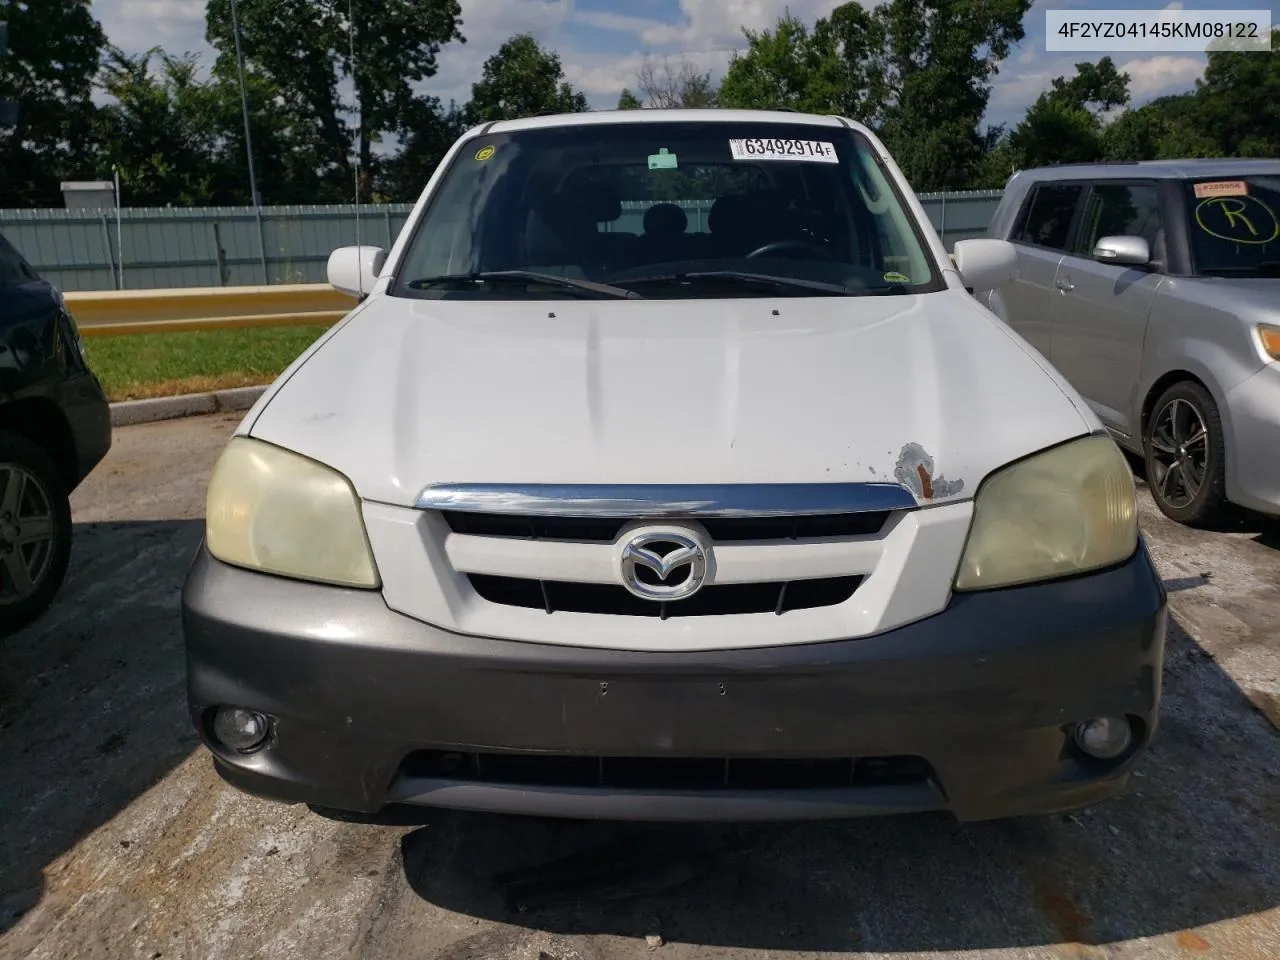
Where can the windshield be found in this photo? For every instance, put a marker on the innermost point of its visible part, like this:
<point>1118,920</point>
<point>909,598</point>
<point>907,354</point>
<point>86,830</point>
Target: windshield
<point>1234,227</point>
<point>667,210</point>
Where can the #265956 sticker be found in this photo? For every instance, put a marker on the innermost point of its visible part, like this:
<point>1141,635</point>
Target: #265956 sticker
<point>806,151</point>
<point>1221,188</point>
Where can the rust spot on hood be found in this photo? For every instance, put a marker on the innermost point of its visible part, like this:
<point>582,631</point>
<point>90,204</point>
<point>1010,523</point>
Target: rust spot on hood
<point>926,482</point>
<point>915,471</point>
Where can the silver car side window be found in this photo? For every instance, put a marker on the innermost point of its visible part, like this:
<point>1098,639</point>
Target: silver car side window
<point>1047,219</point>
<point>1123,210</point>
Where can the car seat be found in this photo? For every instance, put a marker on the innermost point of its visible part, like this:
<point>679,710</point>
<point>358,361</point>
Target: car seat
<point>665,237</point>
<point>563,230</point>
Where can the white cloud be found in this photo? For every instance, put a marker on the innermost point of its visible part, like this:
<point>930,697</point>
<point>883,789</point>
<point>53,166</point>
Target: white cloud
<point>137,25</point>
<point>705,31</point>
<point>1019,90</point>
<point>607,20</point>
<point>719,23</point>
<point>602,76</point>
<point>1151,77</point>
<point>487,24</point>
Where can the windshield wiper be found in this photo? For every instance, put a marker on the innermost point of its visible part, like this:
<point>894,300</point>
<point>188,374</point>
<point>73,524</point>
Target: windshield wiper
<point>526,277</point>
<point>737,276</point>
<point>1268,268</point>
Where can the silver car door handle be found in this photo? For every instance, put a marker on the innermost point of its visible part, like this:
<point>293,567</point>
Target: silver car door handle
<point>1064,285</point>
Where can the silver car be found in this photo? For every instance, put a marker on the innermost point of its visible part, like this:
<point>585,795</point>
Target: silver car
<point>1154,288</point>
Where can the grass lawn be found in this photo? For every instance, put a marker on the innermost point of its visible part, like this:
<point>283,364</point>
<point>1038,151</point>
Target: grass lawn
<point>167,364</point>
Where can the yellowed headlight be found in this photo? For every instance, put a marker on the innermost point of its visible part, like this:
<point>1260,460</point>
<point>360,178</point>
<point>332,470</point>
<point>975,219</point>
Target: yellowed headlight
<point>1068,510</point>
<point>276,511</point>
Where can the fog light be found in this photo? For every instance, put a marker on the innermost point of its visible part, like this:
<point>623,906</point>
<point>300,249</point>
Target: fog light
<point>241,730</point>
<point>1104,737</point>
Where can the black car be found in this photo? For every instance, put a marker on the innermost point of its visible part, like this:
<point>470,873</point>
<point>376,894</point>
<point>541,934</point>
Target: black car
<point>55,426</point>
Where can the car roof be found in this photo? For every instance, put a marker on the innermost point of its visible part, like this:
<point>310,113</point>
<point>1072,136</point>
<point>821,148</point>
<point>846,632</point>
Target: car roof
<point>668,116</point>
<point>1158,169</point>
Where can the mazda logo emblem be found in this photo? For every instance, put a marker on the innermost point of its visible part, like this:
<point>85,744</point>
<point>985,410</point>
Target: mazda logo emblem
<point>664,563</point>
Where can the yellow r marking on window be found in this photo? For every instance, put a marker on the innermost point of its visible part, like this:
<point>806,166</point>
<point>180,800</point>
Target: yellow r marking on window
<point>1231,214</point>
<point>1233,210</point>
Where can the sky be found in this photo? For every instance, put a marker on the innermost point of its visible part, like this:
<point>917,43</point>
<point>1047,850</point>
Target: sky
<point>601,43</point>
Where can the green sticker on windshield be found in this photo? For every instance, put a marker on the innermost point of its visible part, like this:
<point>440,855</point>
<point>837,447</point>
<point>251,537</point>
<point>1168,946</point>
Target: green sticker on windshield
<point>895,277</point>
<point>664,159</point>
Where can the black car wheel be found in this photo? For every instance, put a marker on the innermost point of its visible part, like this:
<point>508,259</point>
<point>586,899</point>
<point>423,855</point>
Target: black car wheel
<point>1186,455</point>
<point>35,531</point>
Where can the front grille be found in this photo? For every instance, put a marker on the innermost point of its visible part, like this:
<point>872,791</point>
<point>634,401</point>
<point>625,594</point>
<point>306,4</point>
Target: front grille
<point>721,529</point>
<point>711,601</point>
<point>664,773</point>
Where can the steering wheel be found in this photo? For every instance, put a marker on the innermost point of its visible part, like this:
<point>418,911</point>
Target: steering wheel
<point>796,246</point>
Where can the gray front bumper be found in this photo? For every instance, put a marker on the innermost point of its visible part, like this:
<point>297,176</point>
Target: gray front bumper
<point>984,692</point>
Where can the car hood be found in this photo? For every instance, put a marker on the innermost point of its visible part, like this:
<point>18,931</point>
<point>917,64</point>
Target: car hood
<point>931,391</point>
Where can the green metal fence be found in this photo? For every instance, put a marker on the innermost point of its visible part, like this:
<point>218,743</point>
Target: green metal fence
<point>168,248</point>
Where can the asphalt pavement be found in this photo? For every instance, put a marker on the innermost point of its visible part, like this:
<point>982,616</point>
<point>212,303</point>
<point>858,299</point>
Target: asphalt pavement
<point>119,841</point>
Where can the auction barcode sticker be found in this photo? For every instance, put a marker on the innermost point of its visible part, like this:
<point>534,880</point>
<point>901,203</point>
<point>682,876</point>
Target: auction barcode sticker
<point>811,151</point>
<point>1222,188</point>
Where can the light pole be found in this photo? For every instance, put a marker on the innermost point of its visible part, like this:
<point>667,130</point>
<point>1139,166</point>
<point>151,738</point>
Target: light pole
<point>248,147</point>
<point>244,107</point>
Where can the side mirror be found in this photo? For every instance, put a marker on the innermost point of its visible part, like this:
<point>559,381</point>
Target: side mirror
<point>1128,251</point>
<point>354,270</point>
<point>985,264</point>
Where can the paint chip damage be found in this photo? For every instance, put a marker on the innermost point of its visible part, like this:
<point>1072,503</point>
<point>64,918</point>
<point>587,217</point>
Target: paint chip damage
<point>915,472</point>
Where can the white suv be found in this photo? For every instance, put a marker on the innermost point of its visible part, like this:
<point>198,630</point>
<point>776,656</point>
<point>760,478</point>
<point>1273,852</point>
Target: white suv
<point>666,470</point>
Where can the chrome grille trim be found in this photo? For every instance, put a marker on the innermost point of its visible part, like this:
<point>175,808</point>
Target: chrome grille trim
<point>667,500</point>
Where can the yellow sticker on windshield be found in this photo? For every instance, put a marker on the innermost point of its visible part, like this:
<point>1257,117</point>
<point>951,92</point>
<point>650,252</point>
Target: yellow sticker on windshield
<point>484,153</point>
<point>1222,188</point>
<point>894,277</point>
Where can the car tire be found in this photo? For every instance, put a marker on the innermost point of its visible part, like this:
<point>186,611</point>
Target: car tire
<point>1182,442</point>
<point>28,512</point>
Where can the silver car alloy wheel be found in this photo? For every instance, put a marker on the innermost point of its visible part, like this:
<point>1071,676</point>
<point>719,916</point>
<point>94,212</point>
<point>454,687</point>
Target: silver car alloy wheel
<point>26,533</point>
<point>1179,452</point>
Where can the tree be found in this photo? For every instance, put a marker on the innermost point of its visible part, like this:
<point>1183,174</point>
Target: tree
<point>158,129</point>
<point>1064,125</point>
<point>1054,131</point>
<point>1164,129</point>
<point>1238,101</point>
<point>918,71</point>
<point>435,130</point>
<point>997,167</point>
<point>522,80</point>
<point>179,139</point>
<point>1095,85</point>
<point>305,46</point>
<point>54,51</point>
<point>683,86</point>
<point>1135,135</point>
<point>790,67</point>
<point>922,71</point>
<point>628,100</point>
